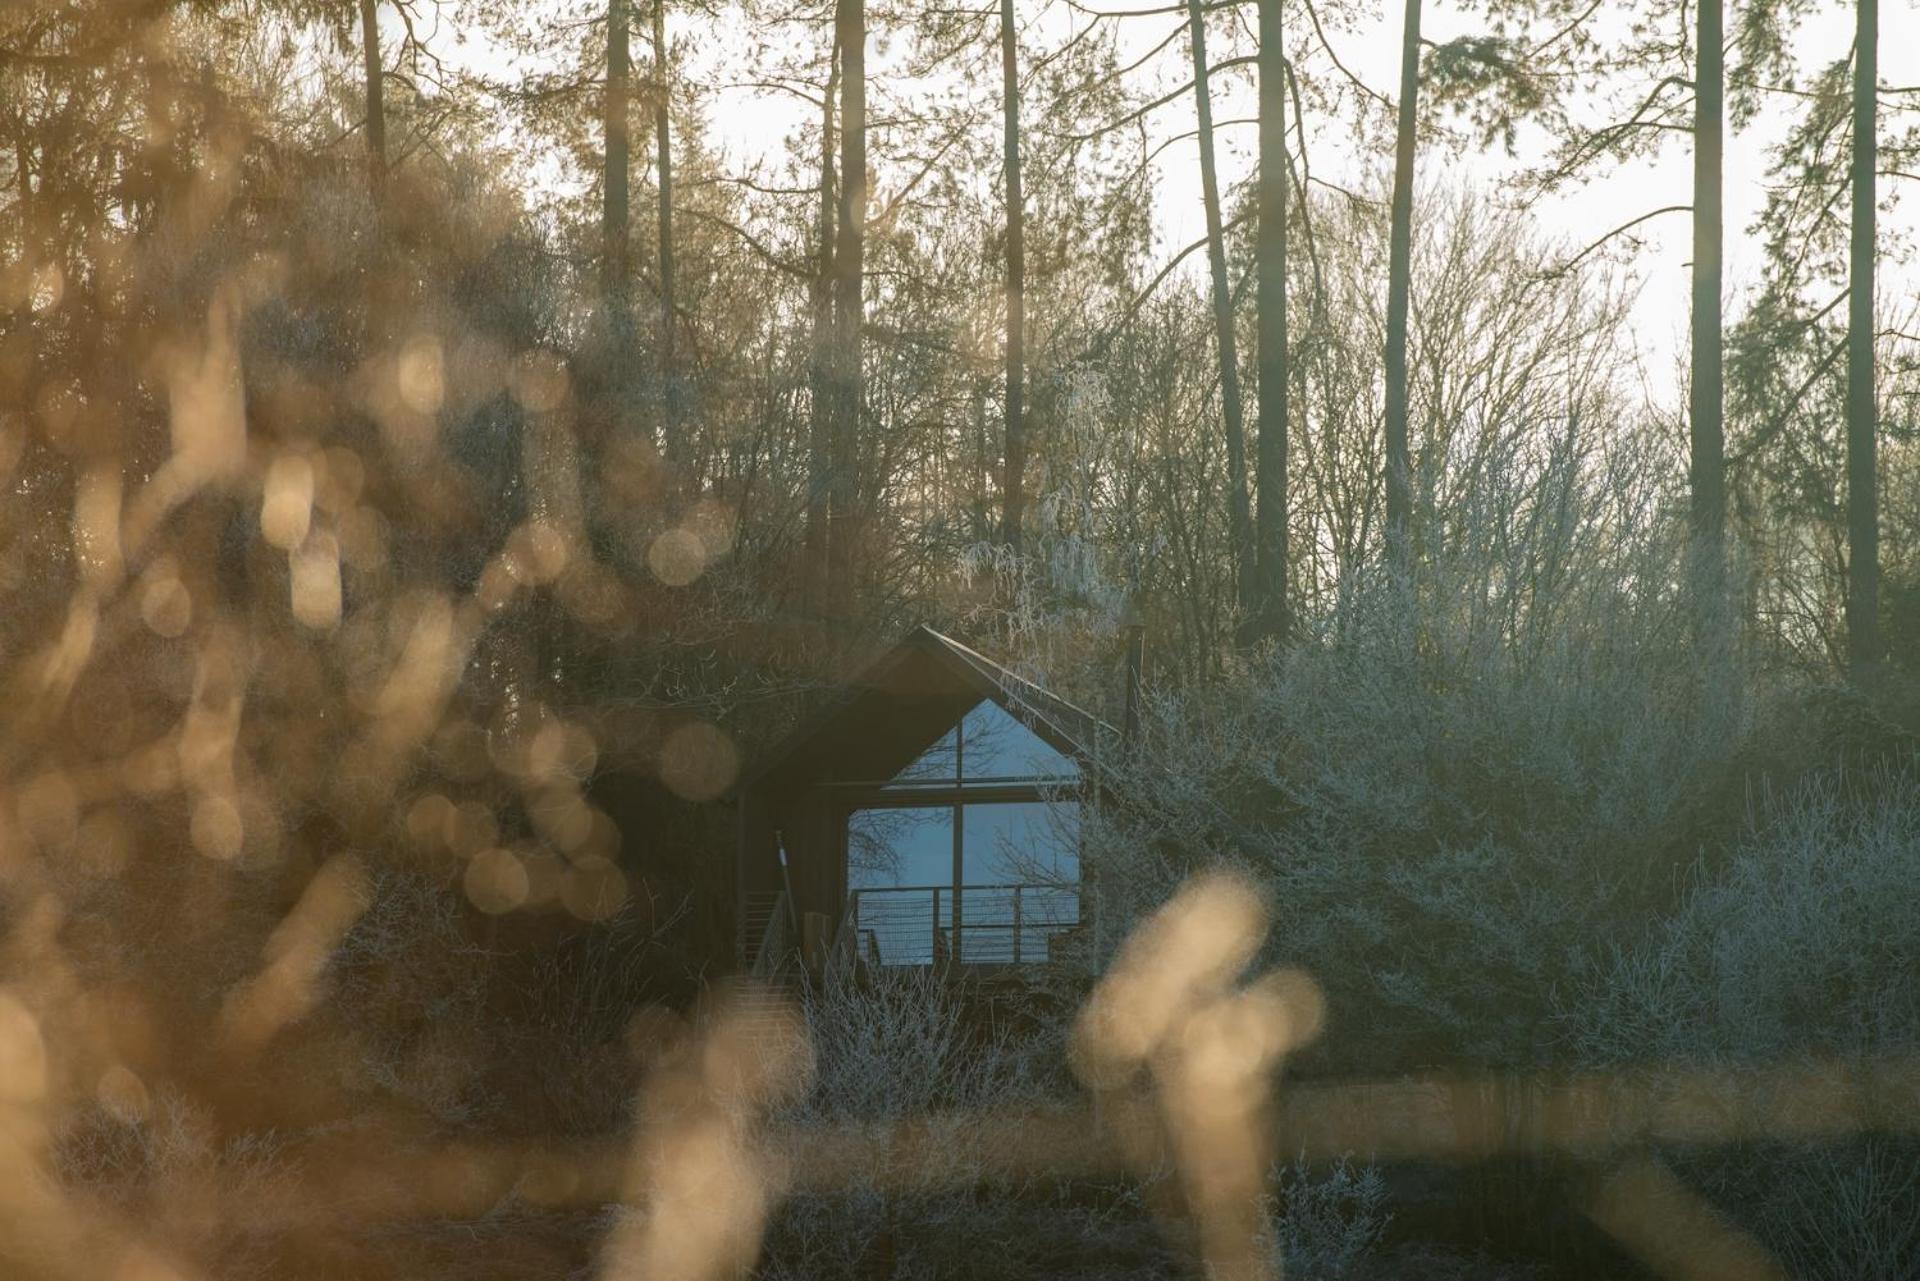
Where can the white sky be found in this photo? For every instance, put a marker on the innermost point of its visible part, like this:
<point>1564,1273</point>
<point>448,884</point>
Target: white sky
<point>749,125</point>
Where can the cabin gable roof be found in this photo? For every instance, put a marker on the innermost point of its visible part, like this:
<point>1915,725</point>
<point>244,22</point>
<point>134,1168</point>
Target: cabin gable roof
<point>904,700</point>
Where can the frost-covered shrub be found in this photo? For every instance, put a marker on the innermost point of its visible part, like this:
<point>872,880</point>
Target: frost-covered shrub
<point>1797,953</point>
<point>142,1162</point>
<point>895,1046</point>
<point>1327,1226</point>
<point>1845,1212</point>
<point>894,1043</point>
<point>1449,817</point>
<point>1803,944</point>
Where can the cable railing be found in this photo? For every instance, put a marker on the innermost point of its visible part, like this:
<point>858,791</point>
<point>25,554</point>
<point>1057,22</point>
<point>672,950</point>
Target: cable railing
<point>970,925</point>
<point>764,933</point>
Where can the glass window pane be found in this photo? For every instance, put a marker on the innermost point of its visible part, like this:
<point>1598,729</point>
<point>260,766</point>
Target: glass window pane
<point>1020,841</point>
<point>1028,852</point>
<point>995,745</point>
<point>893,856</point>
<point>1020,873</point>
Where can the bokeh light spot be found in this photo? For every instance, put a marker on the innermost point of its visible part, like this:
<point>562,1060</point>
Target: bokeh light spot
<point>677,557</point>
<point>96,524</point>
<point>699,761</point>
<point>286,503</point>
<point>123,1094</point>
<point>314,575</point>
<point>538,381</point>
<point>166,606</point>
<point>23,1052</point>
<point>421,375</point>
<point>496,882</point>
<point>537,552</point>
<point>428,819</point>
<point>593,889</point>
<point>217,828</point>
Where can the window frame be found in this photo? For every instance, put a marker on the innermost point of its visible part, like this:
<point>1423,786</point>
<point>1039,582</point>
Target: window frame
<point>851,798</point>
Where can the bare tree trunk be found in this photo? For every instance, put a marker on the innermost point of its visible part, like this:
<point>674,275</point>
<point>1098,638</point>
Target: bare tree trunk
<point>23,178</point>
<point>1863,516</point>
<point>1271,615</point>
<point>820,365</point>
<point>663,141</point>
<point>1013,489</point>
<point>1399,290</point>
<point>26,216</point>
<point>616,264</point>
<point>1708,511</point>
<point>32,250</point>
<point>1238,519</point>
<point>848,272</point>
<point>376,104</point>
<point>981,525</point>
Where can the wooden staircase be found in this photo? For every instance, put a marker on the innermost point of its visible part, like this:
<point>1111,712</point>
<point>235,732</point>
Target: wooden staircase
<point>766,1007</point>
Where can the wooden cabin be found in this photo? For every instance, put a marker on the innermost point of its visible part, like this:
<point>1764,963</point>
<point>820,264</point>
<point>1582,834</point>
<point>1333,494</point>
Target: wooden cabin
<point>929,815</point>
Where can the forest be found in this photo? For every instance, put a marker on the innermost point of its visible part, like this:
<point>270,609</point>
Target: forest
<point>447,443</point>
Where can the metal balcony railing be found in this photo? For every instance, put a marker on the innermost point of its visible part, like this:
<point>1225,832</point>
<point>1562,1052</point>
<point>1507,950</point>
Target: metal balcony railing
<point>973,925</point>
<point>765,933</point>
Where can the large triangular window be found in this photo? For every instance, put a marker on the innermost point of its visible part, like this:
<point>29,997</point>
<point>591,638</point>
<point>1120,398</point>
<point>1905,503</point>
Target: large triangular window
<point>971,852</point>
<point>987,746</point>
